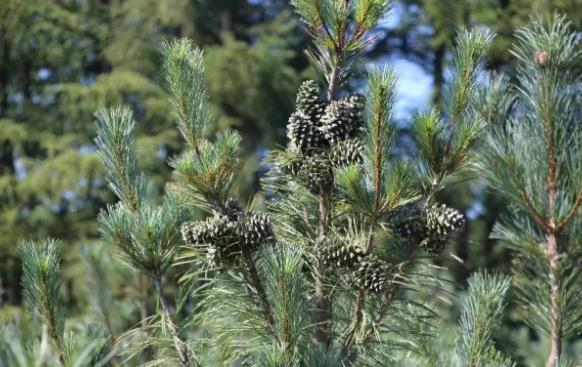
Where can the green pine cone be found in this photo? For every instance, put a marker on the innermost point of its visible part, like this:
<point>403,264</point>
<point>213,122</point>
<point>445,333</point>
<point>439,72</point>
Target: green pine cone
<point>230,209</point>
<point>442,220</point>
<point>213,230</point>
<point>372,274</point>
<point>309,102</point>
<point>303,135</point>
<point>254,229</point>
<point>343,119</point>
<point>317,173</point>
<point>409,222</point>
<point>346,152</point>
<point>434,244</point>
<point>341,255</point>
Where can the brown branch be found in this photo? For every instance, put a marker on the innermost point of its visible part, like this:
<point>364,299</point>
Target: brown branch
<point>537,217</point>
<point>552,236</point>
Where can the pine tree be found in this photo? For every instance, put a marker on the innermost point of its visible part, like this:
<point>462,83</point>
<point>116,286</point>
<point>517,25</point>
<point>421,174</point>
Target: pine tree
<point>328,277</point>
<point>534,160</point>
<point>143,233</point>
<point>332,270</point>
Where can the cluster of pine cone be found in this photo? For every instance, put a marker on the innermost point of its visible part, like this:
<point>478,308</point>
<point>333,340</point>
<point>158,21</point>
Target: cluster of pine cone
<point>428,226</point>
<point>369,272</point>
<point>228,232</point>
<point>323,135</point>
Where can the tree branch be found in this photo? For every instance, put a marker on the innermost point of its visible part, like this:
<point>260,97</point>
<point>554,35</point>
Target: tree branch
<point>261,294</point>
<point>179,345</point>
<point>572,212</point>
<point>537,217</point>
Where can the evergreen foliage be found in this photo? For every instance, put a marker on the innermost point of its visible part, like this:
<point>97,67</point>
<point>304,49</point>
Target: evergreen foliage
<point>336,264</point>
<point>534,160</point>
<point>471,342</point>
<point>47,343</point>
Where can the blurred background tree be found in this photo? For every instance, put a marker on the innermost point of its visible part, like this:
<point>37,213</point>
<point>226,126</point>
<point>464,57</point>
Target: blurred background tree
<point>60,60</point>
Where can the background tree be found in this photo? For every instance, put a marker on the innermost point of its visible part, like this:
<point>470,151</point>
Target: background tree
<point>62,60</point>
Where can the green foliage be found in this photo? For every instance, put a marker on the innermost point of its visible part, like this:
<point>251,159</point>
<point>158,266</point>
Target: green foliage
<point>481,314</point>
<point>183,71</point>
<point>87,345</point>
<point>41,283</point>
<point>472,341</point>
<point>115,129</point>
<point>341,268</point>
<point>534,160</point>
<point>446,144</point>
<point>338,40</point>
<point>146,237</point>
<point>206,174</point>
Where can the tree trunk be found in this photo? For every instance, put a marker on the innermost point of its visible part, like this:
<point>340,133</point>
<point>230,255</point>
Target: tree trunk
<point>555,333</point>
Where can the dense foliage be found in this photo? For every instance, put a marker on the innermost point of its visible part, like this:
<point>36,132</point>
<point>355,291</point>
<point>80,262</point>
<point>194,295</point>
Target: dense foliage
<point>287,223</point>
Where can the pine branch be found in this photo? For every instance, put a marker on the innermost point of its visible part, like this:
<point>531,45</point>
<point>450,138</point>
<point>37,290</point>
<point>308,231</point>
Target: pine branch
<point>537,217</point>
<point>537,147</point>
<point>179,346</point>
<point>379,140</point>
<point>41,283</point>
<point>480,317</point>
<point>183,71</point>
<point>255,281</point>
<point>571,213</point>
<point>117,152</point>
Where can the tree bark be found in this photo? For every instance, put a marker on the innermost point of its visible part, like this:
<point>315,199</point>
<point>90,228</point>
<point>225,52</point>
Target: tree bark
<point>552,238</point>
<point>555,333</point>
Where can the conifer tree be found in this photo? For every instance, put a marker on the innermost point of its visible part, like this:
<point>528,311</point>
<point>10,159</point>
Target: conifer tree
<point>143,233</point>
<point>534,159</point>
<point>331,270</point>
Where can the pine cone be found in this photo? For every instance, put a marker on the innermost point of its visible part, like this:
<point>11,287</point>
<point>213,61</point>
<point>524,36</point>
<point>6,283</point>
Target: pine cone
<point>409,222</point>
<point>341,255</point>
<point>442,220</point>
<point>213,230</point>
<point>303,134</point>
<point>347,152</point>
<point>254,228</point>
<point>230,209</point>
<point>317,173</point>
<point>211,257</point>
<point>372,274</point>
<point>342,119</point>
<point>309,102</point>
<point>434,244</point>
